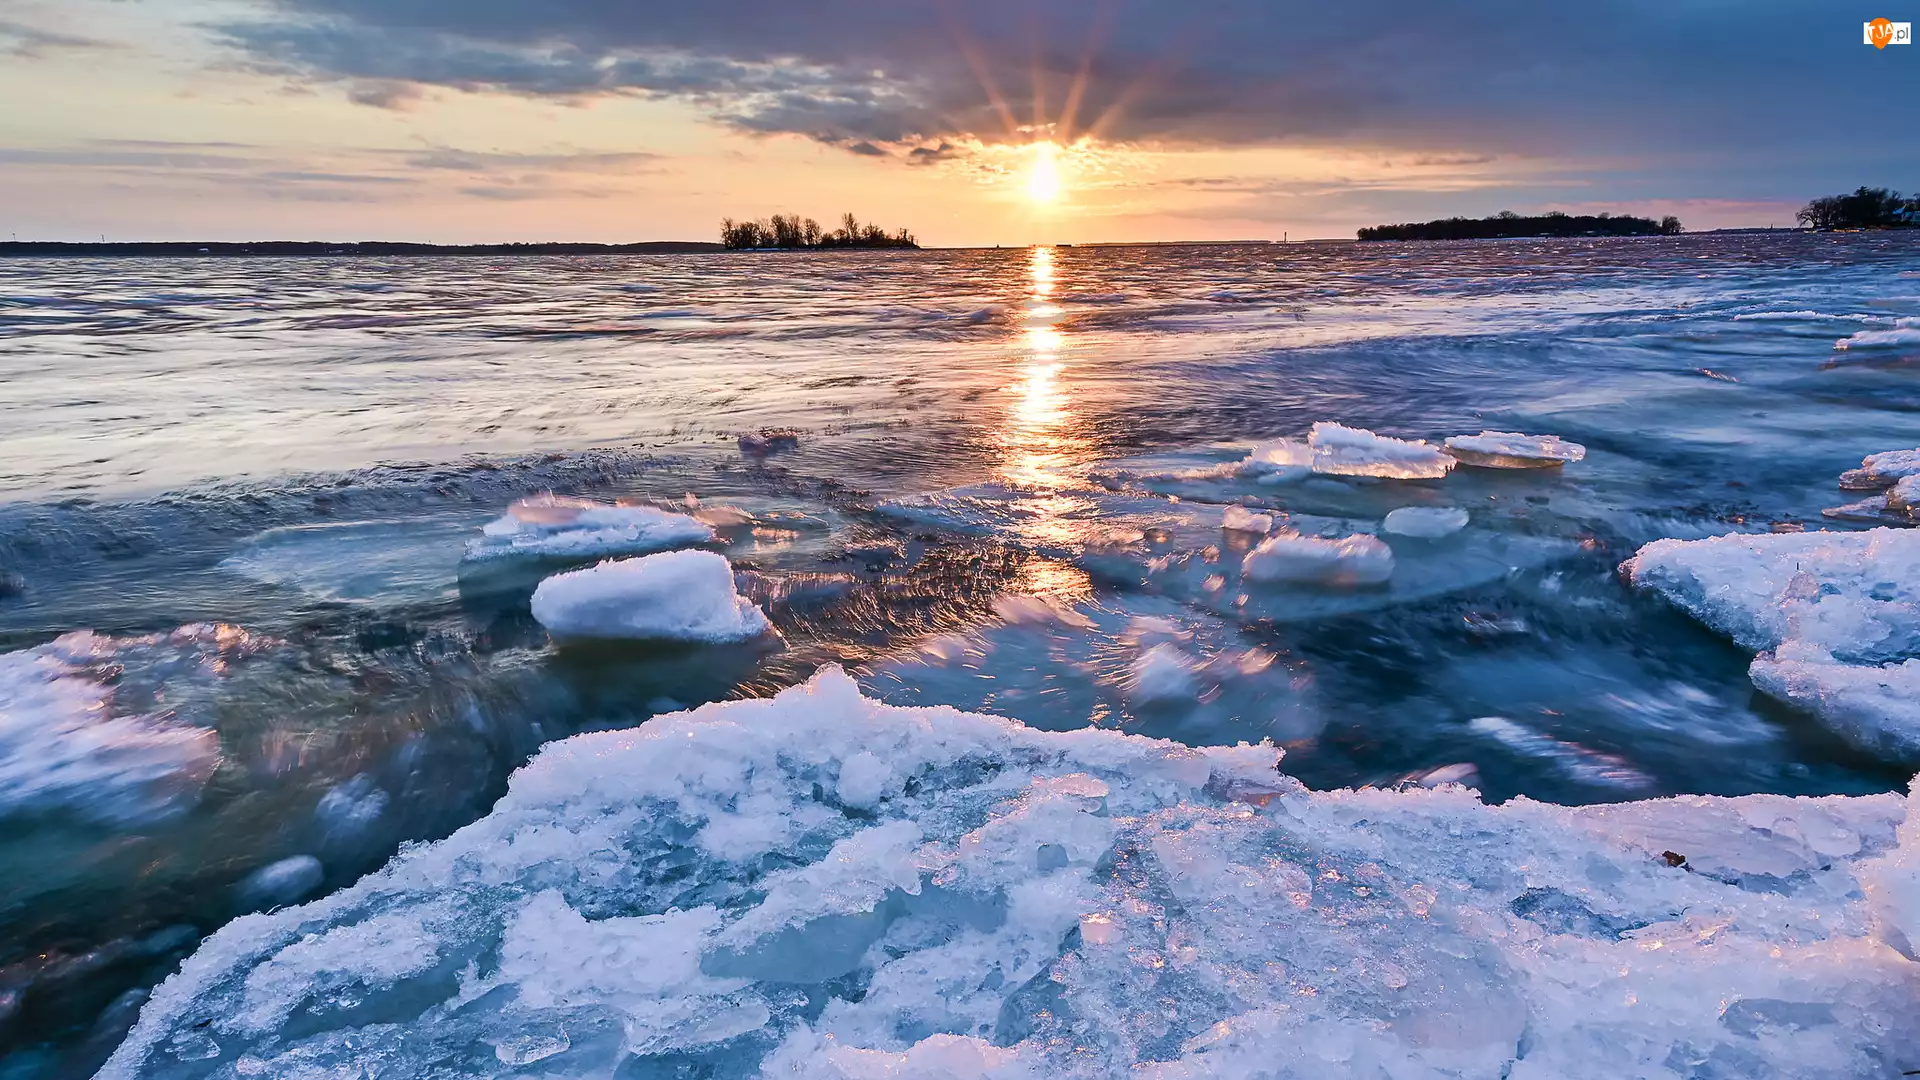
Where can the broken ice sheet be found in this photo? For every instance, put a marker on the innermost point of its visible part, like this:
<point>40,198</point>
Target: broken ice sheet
<point>692,894</point>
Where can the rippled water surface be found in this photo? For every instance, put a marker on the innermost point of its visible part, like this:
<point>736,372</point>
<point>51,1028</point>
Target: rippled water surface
<point>1001,498</point>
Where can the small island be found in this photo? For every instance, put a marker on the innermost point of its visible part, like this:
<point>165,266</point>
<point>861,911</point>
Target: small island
<point>792,232</point>
<point>1865,208</point>
<point>1508,224</point>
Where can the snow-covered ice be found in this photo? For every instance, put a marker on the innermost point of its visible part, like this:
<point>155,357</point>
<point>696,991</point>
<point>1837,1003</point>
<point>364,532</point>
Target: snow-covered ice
<point>1290,557</point>
<point>1882,470</point>
<point>1904,495</point>
<point>67,747</point>
<point>1512,450</point>
<point>1425,522</point>
<point>1855,594</point>
<point>562,527</point>
<point>1835,618</point>
<point>1339,450</point>
<point>672,596</point>
<point>819,885</point>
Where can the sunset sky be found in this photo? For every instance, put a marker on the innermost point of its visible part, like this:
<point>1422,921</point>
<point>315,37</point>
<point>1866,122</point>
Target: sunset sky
<point>975,122</point>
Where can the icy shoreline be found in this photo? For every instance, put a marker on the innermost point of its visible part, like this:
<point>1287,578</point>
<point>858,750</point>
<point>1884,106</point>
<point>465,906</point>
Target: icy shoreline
<point>821,885</point>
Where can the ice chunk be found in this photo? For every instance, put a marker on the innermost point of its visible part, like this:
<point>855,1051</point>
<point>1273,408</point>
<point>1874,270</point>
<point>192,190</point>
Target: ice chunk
<point>1834,616</point>
<point>1162,673</point>
<point>1512,450</point>
<point>67,746</point>
<point>1873,510</point>
<point>673,596</point>
<point>561,527</point>
<point>1290,557</point>
<point>1425,522</point>
<point>1241,519</point>
<point>1339,450</point>
<point>1882,470</point>
<point>691,897</point>
<point>1904,496</point>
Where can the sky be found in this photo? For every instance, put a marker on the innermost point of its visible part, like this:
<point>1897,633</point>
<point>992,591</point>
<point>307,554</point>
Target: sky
<point>971,122</point>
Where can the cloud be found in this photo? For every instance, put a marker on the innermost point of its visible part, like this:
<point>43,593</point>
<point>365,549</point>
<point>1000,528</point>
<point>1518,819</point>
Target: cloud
<point>298,177</point>
<point>469,161</point>
<point>1460,78</point>
<point>933,155</point>
<point>361,175</point>
<point>157,156</point>
<point>383,93</point>
<point>867,149</point>
<point>20,39</point>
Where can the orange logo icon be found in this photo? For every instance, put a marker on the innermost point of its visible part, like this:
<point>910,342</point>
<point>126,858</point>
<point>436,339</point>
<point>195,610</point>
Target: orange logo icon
<point>1881,33</point>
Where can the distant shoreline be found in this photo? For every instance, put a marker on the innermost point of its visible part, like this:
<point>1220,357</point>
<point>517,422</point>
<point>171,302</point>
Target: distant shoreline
<point>283,248</point>
<point>366,249</point>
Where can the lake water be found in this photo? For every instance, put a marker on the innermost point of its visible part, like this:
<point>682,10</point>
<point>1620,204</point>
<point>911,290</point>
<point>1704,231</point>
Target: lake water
<point>1002,496</point>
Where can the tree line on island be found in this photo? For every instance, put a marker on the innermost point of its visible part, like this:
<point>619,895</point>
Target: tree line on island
<point>1506,223</point>
<point>1864,208</point>
<point>791,231</point>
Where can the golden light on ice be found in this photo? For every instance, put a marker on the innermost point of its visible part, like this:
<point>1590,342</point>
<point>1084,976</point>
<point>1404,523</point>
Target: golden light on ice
<point>1043,173</point>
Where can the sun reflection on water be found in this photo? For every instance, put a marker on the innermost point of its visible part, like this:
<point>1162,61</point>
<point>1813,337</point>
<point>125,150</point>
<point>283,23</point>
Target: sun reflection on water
<point>1040,437</point>
<point>1043,444</point>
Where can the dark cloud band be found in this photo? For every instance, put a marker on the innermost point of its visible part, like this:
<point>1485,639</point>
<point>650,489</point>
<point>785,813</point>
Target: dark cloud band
<point>1454,75</point>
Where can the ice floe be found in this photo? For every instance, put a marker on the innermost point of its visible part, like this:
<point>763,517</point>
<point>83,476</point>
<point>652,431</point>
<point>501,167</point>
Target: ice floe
<point>1339,450</point>
<point>673,596</point>
<point>68,747</point>
<point>561,527</point>
<point>820,885</point>
<point>1512,450</point>
<point>378,563</point>
<point>1425,522</point>
<point>1347,561</point>
<point>1882,470</point>
<point>1241,519</point>
<point>1834,616</point>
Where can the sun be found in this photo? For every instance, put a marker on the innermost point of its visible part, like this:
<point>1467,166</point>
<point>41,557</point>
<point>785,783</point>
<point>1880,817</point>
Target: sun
<point>1043,174</point>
